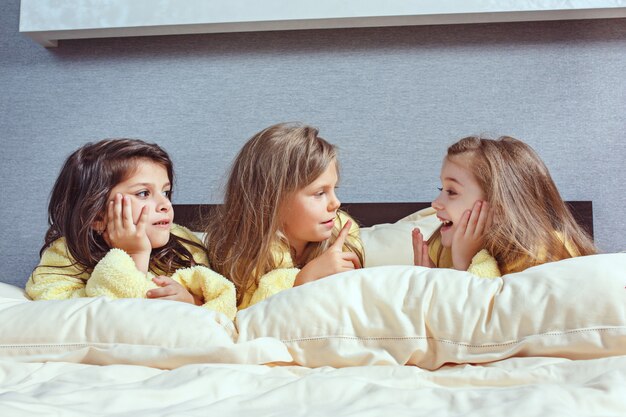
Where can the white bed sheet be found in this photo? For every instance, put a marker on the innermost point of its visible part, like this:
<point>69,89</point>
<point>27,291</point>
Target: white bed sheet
<point>513,387</point>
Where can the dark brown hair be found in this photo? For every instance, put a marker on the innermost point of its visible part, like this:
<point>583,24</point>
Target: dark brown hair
<point>79,198</point>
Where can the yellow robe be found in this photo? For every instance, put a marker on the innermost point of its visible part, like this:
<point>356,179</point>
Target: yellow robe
<point>116,276</point>
<point>483,264</point>
<point>284,276</point>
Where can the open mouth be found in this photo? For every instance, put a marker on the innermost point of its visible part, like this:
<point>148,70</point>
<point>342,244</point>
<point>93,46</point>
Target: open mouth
<point>445,224</point>
<point>162,223</point>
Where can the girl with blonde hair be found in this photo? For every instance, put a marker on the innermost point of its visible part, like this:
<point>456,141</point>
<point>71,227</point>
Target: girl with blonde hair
<point>112,234</point>
<point>500,211</point>
<point>280,225</point>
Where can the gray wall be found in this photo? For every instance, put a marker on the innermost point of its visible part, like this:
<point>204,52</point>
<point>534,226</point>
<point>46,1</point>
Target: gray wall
<point>392,98</point>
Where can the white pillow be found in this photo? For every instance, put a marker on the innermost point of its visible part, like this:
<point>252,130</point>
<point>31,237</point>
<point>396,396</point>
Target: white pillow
<point>156,333</point>
<point>11,291</point>
<point>575,308</point>
<point>391,243</point>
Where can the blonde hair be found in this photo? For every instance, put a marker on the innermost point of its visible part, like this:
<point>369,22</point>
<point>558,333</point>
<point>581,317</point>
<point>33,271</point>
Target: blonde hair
<point>243,233</point>
<point>532,224</point>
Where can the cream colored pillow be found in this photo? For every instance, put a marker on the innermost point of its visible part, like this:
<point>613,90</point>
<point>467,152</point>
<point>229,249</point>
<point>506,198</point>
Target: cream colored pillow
<point>575,308</point>
<point>391,243</point>
<point>156,333</point>
<point>10,291</point>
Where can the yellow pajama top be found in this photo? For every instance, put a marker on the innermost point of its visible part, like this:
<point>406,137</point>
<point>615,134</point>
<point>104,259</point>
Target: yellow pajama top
<point>284,276</point>
<point>116,276</point>
<point>483,264</point>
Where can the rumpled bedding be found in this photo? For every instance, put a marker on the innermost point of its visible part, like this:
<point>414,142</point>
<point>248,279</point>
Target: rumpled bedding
<point>389,340</point>
<point>513,387</point>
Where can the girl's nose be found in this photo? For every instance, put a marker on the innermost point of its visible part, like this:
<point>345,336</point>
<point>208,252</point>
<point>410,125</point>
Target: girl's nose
<point>436,204</point>
<point>334,203</point>
<point>164,204</point>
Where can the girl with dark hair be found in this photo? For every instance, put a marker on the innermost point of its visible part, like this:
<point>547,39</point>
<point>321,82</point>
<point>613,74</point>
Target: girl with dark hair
<point>111,232</point>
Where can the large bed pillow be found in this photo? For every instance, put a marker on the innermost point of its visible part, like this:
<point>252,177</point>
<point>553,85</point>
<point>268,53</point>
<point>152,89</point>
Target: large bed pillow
<point>391,244</point>
<point>575,308</point>
<point>11,291</point>
<point>101,331</point>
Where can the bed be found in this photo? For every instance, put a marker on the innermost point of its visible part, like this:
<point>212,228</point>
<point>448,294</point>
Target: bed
<point>389,339</point>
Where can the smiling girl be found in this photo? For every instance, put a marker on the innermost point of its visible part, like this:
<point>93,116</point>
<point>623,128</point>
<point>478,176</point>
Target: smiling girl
<point>500,211</point>
<point>111,232</point>
<point>280,225</point>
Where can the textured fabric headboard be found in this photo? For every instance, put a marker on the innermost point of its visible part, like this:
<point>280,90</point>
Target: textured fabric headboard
<point>368,214</point>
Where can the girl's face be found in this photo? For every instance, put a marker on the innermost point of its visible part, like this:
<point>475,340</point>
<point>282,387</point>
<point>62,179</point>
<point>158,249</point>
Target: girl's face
<point>149,186</point>
<point>459,191</point>
<point>308,215</point>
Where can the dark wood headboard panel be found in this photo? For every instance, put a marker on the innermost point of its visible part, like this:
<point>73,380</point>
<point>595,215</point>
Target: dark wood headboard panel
<point>368,214</point>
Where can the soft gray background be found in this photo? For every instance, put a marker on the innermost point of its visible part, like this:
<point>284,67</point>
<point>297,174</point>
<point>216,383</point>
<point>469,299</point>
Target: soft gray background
<point>393,99</point>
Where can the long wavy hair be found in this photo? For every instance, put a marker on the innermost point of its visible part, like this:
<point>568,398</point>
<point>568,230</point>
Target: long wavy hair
<point>80,195</point>
<point>242,235</point>
<point>532,224</point>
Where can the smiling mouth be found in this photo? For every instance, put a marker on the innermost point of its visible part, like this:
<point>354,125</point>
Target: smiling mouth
<point>161,223</point>
<point>445,223</point>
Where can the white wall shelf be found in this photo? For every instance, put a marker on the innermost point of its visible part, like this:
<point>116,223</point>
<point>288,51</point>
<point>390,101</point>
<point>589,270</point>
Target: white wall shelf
<point>48,21</point>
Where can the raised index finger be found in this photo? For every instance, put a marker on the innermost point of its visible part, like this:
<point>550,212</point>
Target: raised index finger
<point>341,238</point>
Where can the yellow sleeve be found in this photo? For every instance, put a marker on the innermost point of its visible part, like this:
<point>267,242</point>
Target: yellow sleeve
<point>199,253</point>
<point>55,278</point>
<point>272,283</point>
<point>117,276</point>
<point>484,265</point>
<point>219,293</point>
<point>441,257</point>
<point>283,278</point>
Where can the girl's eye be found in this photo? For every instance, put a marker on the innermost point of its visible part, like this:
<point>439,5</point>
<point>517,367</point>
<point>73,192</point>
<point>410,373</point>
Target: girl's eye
<point>168,194</point>
<point>143,194</point>
<point>319,193</point>
<point>448,191</point>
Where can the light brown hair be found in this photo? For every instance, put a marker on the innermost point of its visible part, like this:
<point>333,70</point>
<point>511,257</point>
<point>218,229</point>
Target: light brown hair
<point>532,224</point>
<point>243,234</point>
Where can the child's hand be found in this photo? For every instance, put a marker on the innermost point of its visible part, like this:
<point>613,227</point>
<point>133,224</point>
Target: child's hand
<point>122,233</point>
<point>332,261</point>
<point>171,290</point>
<point>469,236</point>
<point>420,250</point>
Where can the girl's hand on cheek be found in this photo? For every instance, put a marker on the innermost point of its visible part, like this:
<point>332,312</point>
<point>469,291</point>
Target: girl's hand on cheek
<point>333,261</point>
<point>469,237</point>
<point>171,290</point>
<point>122,233</point>
<point>420,250</point>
